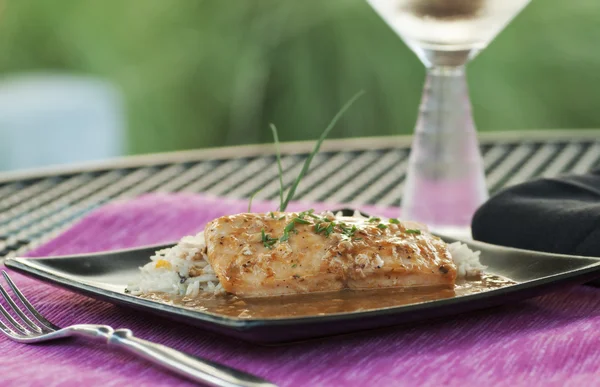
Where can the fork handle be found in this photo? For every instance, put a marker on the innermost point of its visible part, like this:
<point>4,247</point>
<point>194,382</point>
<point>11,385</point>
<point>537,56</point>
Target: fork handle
<point>192,367</point>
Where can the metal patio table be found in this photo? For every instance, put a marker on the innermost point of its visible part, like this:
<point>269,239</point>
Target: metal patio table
<point>36,205</point>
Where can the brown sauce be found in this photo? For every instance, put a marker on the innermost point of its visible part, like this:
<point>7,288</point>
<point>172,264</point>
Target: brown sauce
<point>320,304</point>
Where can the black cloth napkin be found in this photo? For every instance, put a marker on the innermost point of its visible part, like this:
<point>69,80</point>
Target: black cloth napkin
<point>557,215</point>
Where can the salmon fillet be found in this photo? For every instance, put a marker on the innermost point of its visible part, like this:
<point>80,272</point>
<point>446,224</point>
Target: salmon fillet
<point>260,255</point>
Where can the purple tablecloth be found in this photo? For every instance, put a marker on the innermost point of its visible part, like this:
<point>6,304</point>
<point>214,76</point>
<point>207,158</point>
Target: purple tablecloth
<point>550,341</point>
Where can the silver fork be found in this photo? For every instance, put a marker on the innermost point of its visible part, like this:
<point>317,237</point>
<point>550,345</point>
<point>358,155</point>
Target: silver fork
<point>34,328</point>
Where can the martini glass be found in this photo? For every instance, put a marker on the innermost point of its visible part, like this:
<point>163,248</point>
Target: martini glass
<point>445,182</point>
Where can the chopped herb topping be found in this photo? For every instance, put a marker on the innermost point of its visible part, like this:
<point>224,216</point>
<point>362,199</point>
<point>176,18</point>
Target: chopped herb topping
<point>374,220</point>
<point>319,228</point>
<point>300,221</point>
<point>329,229</point>
<point>382,226</point>
<point>267,241</point>
<point>272,214</point>
<point>412,231</point>
<point>286,231</point>
<point>348,231</point>
<point>281,217</point>
<point>294,265</point>
<point>394,221</point>
<point>310,213</point>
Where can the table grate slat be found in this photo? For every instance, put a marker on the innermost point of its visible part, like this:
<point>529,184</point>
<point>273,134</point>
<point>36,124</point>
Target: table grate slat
<point>35,209</point>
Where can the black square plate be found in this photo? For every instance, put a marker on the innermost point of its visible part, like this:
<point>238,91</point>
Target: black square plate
<point>105,276</point>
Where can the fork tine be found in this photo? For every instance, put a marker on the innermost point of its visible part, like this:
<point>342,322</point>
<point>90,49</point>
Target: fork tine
<point>15,325</point>
<point>18,311</point>
<point>41,319</point>
<point>7,331</point>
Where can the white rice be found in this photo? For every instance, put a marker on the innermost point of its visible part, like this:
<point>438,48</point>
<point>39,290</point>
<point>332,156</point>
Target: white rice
<point>466,260</point>
<point>184,269</point>
<point>180,270</point>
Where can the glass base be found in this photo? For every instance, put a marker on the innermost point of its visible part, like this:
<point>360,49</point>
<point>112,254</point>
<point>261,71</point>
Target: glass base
<point>446,180</point>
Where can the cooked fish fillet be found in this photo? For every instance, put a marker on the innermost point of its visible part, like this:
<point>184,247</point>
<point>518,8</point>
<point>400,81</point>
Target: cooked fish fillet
<point>258,255</point>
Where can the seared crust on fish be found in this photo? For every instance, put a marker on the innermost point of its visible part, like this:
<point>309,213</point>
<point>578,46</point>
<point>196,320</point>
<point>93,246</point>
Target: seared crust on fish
<point>259,255</point>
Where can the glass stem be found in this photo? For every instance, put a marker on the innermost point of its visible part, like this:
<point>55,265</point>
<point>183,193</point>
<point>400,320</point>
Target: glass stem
<point>446,181</point>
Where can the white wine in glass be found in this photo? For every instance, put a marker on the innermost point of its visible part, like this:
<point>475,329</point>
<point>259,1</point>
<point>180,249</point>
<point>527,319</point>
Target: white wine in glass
<point>445,182</point>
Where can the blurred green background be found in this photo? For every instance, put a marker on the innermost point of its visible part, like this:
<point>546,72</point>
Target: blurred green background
<point>203,73</point>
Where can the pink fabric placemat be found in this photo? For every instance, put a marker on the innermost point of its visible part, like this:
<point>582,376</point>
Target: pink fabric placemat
<point>551,341</point>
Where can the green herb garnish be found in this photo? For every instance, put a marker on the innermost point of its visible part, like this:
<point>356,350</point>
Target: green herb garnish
<point>318,228</point>
<point>285,199</point>
<point>394,221</point>
<point>412,231</point>
<point>315,150</point>
<point>310,213</point>
<point>382,226</point>
<point>272,215</point>
<point>348,231</point>
<point>278,155</point>
<point>286,231</point>
<point>294,265</point>
<point>300,221</point>
<point>251,198</point>
<point>329,229</point>
<point>374,220</point>
<point>267,241</point>
<point>281,217</point>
